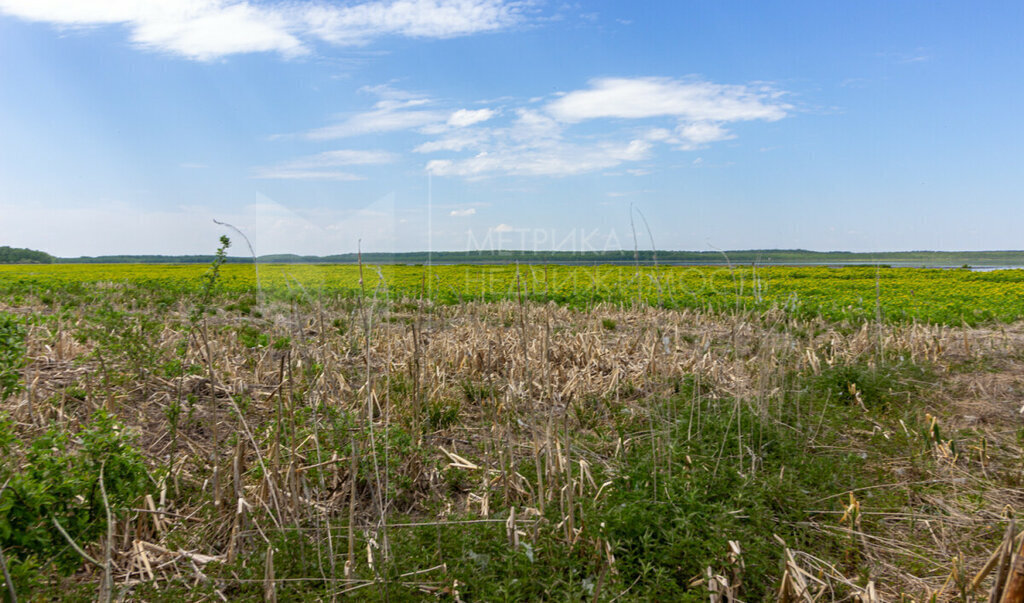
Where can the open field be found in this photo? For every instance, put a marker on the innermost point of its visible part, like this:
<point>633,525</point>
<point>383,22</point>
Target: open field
<point>853,293</point>
<point>493,433</point>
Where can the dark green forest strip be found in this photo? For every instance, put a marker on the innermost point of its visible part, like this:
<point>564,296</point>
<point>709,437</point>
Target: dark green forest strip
<point>750,256</point>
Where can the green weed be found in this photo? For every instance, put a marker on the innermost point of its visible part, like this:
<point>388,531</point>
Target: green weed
<point>12,354</point>
<point>55,479</point>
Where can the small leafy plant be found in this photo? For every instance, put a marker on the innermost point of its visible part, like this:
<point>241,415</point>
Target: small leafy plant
<point>12,354</point>
<point>55,480</point>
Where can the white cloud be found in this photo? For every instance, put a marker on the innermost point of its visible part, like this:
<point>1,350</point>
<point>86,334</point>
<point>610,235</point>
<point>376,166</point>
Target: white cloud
<point>85,12</point>
<point>503,228</point>
<point>690,136</point>
<point>398,110</point>
<point>533,145</point>
<point>196,29</point>
<point>316,167</point>
<point>389,92</point>
<point>342,157</point>
<point>697,135</point>
<point>208,29</point>
<point>542,141</point>
<point>467,117</point>
<point>918,55</point>
<point>535,127</point>
<point>658,135</point>
<point>916,58</point>
<point>461,213</point>
<point>561,159</point>
<point>386,116</point>
<point>219,30</point>
<point>702,132</point>
<point>638,98</point>
<point>456,143</point>
<point>356,24</point>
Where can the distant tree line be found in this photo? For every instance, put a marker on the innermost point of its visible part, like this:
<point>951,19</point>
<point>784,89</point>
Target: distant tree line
<point>647,257</point>
<point>146,259</point>
<point>18,255</point>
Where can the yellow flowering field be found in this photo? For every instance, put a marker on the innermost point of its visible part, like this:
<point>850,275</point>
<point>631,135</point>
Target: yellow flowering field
<point>897,294</point>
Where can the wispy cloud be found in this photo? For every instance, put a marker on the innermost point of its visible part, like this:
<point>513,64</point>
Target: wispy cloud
<point>209,29</point>
<point>564,159</point>
<point>694,101</point>
<point>387,115</point>
<point>916,58</point>
<point>343,157</point>
<point>918,55</point>
<point>318,167</point>
<point>533,145</point>
<point>402,110</point>
<point>690,136</point>
<point>461,141</point>
<point>699,108</point>
<point>462,213</point>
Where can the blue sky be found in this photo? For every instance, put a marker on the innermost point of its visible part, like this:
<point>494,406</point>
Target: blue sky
<point>128,126</point>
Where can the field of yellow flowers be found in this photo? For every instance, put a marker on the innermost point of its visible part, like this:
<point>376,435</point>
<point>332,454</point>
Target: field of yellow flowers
<point>848,293</point>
